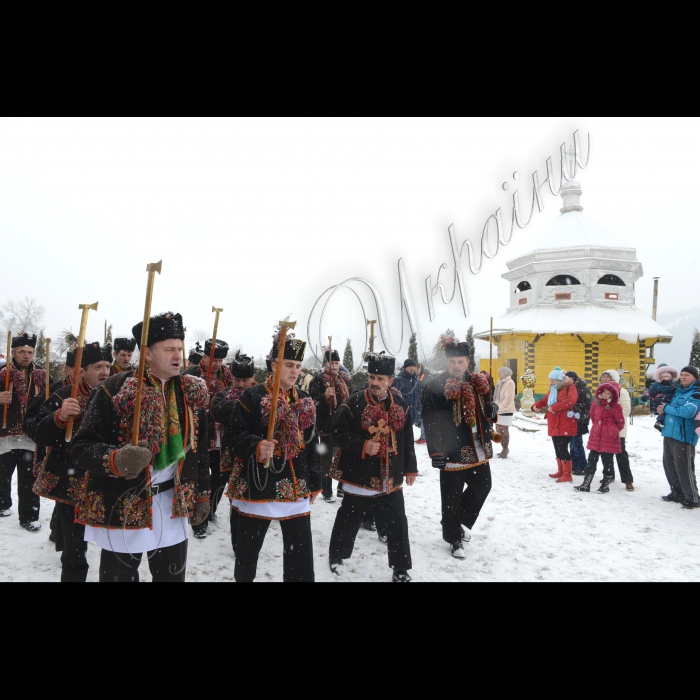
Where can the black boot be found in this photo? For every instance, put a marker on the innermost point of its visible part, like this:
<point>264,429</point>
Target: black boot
<point>605,485</point>
<point>401,576</point>
<point>335,564</point>
<point>586,485</point>
<point>672,498</point>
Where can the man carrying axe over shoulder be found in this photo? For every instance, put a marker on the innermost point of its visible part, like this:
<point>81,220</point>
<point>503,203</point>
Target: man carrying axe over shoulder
<point>329,390</point>
<point>212,364</point>
<point>139,499</point>
<point>274,473</point>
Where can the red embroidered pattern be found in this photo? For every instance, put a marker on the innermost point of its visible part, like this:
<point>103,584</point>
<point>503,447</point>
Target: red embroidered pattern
<point>395,419</point>
<point>464,396</point>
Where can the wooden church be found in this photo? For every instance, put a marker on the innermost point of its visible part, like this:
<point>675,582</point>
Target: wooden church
<point>573,306</point>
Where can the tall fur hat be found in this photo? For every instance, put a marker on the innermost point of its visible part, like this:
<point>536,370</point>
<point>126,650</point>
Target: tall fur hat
<point>243,367</point>
<point>124,345</point>
<point>220,352</point>
<point>107,351</point>
<point>453,348</point>
<point>381,364</point>
<point>196,354</point>
<point>24,340</point>
<point>294,349</point>
<point>166,326</point>
<point>334,358</point>
<point>92,354</point>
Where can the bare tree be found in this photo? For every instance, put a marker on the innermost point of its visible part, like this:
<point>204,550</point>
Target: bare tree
<point>23,315</point>
<point>200,336</point>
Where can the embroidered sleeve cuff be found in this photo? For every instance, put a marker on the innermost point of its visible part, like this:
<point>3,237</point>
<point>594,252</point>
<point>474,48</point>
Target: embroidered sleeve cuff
<point>58,421</point>
<point>112,466</point>
<point>437,454</point>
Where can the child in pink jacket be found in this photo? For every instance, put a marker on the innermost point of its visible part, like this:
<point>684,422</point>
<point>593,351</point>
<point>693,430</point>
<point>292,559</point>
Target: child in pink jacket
<point>607,420</point>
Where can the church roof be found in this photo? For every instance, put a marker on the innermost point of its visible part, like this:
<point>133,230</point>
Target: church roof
<point>626,322</point>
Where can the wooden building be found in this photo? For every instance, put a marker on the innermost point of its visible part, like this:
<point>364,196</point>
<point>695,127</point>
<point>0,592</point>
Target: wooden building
<point>573,305</point>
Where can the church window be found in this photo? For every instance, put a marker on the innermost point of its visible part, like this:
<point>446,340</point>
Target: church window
<point>612,280</point>
<point>563,281</point>
<point>523,287</point>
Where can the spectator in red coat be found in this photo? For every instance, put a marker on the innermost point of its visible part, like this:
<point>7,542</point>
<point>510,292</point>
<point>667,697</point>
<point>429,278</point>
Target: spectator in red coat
<point>560,403</point>
<point>608,420</point>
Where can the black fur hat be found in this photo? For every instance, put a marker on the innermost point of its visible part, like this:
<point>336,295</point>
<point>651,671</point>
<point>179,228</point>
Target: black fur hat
<point>92,354</point>
<point>334,358</point>
<point>23,340</point>
<point>381,364</point>
<point>293,350</point>
<point>458,350</point>
<point>70,358</point>
<point>124,345</point>
<point>243,367</point>
<point>107,353</point>
<point>196,355</point>
<point>220,352</point>
<point>167,326</point>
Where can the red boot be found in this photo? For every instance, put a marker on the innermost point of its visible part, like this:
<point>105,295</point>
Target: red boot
<point>567,477</point>
<point>560,473</point>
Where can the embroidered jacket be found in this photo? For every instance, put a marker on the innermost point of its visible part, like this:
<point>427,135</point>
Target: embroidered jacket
<point>219,382</point>
<point>107,500</point>
<point>324,416</point>
<point>58,477</point>
<point>352,466</point>
<point>286,481</point>
<point>26,385</point>
<point>450,435</point>
<point>117,369</point>
<point>30,419</point>
<point>222,406</point>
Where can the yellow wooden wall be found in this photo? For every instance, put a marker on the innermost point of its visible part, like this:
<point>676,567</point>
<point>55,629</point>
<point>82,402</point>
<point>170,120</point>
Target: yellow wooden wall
<point>588,356</point>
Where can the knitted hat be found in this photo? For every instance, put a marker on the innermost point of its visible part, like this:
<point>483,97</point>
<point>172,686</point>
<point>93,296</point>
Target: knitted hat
<point>665,369</point>
<point>557,373</point>
<point>573,375</point>
<point>410,363</point>
<point>692,370</point>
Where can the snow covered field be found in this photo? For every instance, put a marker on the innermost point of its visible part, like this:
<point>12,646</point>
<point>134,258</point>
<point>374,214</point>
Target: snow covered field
<point>531,529</point>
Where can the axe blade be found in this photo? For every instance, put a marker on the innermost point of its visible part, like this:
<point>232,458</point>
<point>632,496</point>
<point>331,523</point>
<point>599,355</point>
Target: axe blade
<point>89,307</point>
<point>214,310</point>
<point>288,324</point>
<point>155,267</point>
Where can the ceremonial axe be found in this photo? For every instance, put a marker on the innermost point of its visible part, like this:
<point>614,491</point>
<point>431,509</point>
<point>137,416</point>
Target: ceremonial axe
<point>218,313</point>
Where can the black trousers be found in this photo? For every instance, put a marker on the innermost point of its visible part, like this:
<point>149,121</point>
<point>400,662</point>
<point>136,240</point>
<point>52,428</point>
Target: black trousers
<point>460,507</point>
<point>56,529</point>
<point>623,464</point>
<point>353,513</point>
<point>376,516</point>
<point>167,565</point>
<point>608,464</point>
<point>219,479</point>
<point>325,450</point>
<point>234,529</point>
<point>298,549</point>
<point>679,465</point>
<point>29,502</point>
<point>73,560</point>
<point>562,447</point>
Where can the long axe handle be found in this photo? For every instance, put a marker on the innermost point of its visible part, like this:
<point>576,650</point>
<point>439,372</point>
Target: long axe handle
<point>48,368</point>
<point>85,308</point>
<point>218,313</point>
<point>151,269</point>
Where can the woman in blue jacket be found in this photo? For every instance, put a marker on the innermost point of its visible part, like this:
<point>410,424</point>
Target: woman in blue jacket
<point>680,440</point>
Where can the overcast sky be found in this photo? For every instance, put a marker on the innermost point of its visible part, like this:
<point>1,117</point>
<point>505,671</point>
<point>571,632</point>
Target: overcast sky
<point>259,215</point>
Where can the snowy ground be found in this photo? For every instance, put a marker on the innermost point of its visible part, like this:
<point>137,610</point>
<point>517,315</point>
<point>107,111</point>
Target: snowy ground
<point>531,529</point>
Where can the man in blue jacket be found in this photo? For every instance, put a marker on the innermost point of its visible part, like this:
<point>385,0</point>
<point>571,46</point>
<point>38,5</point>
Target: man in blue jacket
<point>680,440</point>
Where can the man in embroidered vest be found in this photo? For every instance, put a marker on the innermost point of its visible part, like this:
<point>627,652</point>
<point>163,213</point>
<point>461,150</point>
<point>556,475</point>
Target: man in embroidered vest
<point>458,414</point>
<point>329,390</point>
<point>287,490</point>
<point>16,449</point>
<point>375,451</point>
<point>123,354</point>
<point>58,477</point>
<point>222,405</point>
<point>137,500</point>
<point>221,380</point>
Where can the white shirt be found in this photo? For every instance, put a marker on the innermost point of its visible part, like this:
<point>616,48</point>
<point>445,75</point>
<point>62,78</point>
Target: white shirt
<point>273,511</point>
<point>16,442</point>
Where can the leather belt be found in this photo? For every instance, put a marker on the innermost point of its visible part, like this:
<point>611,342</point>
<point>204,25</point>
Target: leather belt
<point>162,488</point>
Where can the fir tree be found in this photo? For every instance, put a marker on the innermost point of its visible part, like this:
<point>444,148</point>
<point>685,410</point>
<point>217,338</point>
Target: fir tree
<point>472,350</point>
<point>109,340</point>
<point>40,354</point>
<point>348,357</point>
<point>695,351</point>
<point>413,348</point>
